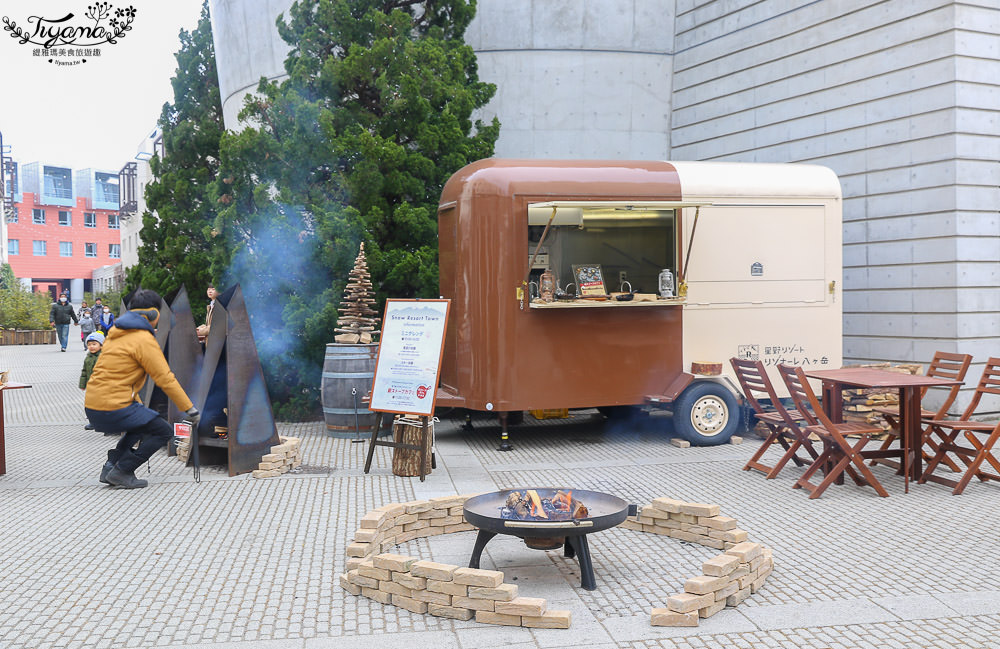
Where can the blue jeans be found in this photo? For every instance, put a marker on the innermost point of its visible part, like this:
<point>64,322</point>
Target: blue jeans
<point>63,331</point>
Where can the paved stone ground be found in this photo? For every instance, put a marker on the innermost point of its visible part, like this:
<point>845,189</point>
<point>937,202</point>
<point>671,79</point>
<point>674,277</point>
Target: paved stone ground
<point>238,563</point>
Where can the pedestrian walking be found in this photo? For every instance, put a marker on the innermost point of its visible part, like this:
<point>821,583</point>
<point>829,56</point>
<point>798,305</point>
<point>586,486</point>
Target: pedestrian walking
<point>83,307</point>
<point>112,398</point>
<point>87,327</point>
<point>60,316</point>
<point>105,320</point>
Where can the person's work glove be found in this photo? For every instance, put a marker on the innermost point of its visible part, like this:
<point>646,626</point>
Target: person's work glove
<point>193,416</point>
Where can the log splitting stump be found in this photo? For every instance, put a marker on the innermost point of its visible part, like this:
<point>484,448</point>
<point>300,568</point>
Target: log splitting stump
<point>422,448</point>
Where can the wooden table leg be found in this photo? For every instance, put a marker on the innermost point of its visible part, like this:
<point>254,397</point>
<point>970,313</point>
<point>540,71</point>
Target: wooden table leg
<point>912,435</point>
<point>833,401</point>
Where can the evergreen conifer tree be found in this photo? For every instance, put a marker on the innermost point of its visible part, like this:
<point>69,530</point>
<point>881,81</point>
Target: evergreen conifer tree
<point>355,146</point>
<point>177,242</point>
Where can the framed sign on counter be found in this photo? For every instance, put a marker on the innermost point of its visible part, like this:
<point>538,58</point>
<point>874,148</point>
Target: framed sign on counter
<point>409,356</point>
<point>589,280</point>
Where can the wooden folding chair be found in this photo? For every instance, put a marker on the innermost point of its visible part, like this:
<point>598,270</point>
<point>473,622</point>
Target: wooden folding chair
<point>782,424</point>
<point>944,365</point>
<point>948,431</point>
<point>838,456</point>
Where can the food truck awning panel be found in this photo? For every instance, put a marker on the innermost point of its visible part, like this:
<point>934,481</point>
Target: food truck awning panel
<point>572,212</point>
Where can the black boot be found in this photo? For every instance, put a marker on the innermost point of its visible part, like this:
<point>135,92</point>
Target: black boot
<point>113,456</point>
<point>123,475</point>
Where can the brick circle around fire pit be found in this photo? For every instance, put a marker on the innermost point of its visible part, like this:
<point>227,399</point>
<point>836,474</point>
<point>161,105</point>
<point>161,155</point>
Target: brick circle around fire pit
<point>462,593</point>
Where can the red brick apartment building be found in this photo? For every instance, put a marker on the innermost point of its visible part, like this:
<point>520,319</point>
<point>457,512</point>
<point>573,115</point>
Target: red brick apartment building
<point>64,225</point>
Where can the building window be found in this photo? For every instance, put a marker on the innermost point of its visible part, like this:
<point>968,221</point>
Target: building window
<point>38,217</point>
<point>58,182</point>
<point>90,249</point>
<point>113,221</point>
<point>13,247</point>
<point>106,187</point>
<point>65,248</point>
<point>89,220</point>
<point>12,217</point>
<point>38,248</point>
<point>65,218</point>
<point>115,250</point>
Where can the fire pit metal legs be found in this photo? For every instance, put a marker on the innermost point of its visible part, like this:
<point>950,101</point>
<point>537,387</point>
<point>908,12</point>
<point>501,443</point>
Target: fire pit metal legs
<point>482,539</point>
<point>578,545</point>
<point>575,546</point>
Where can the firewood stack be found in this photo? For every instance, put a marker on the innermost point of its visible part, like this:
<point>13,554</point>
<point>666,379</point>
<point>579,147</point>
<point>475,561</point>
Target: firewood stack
<point>860,403</point>
<point>358,321</point>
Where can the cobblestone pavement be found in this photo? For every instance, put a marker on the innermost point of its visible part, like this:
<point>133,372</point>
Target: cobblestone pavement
<point>238,563</point>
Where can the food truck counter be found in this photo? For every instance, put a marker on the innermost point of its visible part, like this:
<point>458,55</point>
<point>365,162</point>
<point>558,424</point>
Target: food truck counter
<point>607,303</point>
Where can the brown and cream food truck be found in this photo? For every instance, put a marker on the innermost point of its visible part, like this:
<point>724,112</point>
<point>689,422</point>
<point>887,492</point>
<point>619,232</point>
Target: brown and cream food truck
<point>754,250</point>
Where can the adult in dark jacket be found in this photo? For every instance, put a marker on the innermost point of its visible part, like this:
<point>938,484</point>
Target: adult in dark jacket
<point>112,402</point>
<point>59,317</point>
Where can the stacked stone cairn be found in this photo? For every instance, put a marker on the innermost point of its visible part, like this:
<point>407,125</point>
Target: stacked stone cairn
<point>283,458</point>
<point>358,321</point>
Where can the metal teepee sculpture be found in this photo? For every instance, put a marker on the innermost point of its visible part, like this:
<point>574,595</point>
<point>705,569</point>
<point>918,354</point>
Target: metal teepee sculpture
<point>358,321</point>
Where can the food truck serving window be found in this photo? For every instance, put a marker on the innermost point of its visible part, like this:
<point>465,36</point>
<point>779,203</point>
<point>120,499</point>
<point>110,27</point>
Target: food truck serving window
<point>624,245</point>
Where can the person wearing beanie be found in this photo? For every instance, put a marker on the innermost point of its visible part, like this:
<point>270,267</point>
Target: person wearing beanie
<point>112,399</point>
<point>93,343</point>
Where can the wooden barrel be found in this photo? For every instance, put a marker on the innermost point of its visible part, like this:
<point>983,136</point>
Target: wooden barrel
<point>348,367</point>
<point>406,461</point>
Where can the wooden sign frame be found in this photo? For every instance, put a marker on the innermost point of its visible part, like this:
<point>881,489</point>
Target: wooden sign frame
<point>408,365</point>
<point>589,280</point>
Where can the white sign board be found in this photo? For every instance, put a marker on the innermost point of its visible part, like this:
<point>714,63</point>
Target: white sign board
<point>409,356</point>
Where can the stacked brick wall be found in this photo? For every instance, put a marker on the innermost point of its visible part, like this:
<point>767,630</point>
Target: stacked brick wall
<point>461,593</point>
<point>726,579</point>
<point>443,590</point>
<point>284,457</point>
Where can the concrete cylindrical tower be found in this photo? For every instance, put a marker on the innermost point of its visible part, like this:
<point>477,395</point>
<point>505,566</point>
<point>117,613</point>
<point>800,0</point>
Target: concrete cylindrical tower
<point>247,47</point>
<point>575,78</point>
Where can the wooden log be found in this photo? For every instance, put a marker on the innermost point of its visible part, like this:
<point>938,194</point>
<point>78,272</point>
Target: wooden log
<point>405,461</point>
<point>705,368</point>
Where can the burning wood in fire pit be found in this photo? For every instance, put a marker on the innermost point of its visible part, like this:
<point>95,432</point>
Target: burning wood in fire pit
<point>528,506</point>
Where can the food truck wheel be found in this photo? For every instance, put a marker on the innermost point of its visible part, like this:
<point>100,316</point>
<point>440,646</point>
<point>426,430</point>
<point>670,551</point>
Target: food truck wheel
<point>706,414</point>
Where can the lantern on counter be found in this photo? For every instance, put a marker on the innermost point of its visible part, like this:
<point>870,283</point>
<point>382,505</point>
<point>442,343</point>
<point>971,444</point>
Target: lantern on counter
<point>547,286</point>
<point>666,283</point>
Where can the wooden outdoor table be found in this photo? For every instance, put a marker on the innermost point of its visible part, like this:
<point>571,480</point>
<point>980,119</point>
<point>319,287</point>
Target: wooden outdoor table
<point>3,447</point>
<point>911,431</point>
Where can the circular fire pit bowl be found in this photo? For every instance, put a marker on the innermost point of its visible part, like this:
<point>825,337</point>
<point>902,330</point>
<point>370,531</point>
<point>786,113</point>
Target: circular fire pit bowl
<point>490,515</point>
